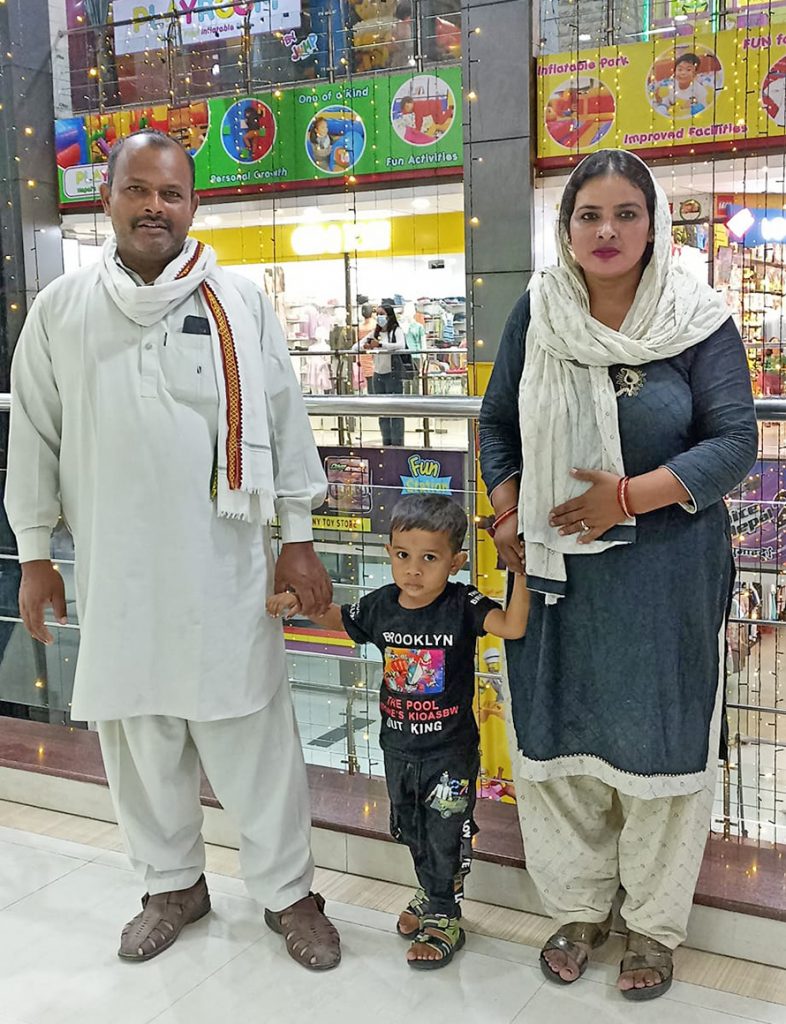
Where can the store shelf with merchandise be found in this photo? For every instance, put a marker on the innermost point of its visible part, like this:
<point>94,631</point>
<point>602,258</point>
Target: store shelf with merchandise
<point>754,279</point>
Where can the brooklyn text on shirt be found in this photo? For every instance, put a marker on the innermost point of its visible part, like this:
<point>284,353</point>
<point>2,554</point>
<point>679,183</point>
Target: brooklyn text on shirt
<point>419,639</point>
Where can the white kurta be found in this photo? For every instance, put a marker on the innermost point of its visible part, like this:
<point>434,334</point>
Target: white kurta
<point>115,425</point>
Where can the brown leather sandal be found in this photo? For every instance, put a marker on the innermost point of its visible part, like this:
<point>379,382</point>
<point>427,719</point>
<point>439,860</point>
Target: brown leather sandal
<point>645,954</point>
<point>566,939</point>
<point>164,916</point>
<point>311,938</point>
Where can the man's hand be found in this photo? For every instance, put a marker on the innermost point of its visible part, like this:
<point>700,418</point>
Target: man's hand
<point>41,585</point>
<point>298,569</point>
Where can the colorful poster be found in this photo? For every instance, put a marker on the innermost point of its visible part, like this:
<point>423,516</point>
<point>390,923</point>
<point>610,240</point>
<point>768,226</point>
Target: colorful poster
<point>136,33</point>
<point>388,124</point>
<point>365,483</point>
<point>692,91</point>
<point>758,517</point>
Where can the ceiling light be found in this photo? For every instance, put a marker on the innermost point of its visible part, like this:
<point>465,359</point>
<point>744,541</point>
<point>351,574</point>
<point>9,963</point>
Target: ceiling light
<point>421,203</point>
<point>585,37</point>
<point>212,220</point>
<point>312,213</point>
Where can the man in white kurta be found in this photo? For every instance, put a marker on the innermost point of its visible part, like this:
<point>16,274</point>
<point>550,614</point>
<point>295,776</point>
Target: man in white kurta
<point>121,395</point>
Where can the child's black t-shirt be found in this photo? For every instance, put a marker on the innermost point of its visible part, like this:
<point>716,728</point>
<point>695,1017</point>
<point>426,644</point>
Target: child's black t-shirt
<point>429,665</point>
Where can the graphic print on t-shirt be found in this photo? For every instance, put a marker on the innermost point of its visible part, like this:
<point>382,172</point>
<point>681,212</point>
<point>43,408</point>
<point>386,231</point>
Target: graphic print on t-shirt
<point>414,670</point>
<point>428,665</point>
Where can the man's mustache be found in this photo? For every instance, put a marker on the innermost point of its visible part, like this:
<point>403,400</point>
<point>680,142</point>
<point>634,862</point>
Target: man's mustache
<point>150,222</point>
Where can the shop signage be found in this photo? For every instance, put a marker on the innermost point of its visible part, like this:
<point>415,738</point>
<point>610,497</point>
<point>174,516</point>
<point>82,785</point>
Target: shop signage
<point>381,125</point>
<point>683,93</point>
<point>365,483</point>
<point>758,517</point>
<point>688,211</point>
<point>198,22</point>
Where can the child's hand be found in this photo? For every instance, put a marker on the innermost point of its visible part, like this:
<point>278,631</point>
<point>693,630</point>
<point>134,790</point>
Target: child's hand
<point>283,605</point>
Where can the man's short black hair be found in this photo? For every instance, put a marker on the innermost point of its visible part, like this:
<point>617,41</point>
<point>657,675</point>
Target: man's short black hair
<point>156,138</point>
<point>434,513</point>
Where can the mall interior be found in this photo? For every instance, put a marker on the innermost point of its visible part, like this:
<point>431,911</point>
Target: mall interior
<point>351,154</point>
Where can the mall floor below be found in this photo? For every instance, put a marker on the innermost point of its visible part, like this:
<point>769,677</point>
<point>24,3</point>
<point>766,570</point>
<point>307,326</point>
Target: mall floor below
<point>66,889</point>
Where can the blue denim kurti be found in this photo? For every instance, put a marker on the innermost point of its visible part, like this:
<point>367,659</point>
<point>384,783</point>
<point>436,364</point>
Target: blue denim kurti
<point>625,667</point>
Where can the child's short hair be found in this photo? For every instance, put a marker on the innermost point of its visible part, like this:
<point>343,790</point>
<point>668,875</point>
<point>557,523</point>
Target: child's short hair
<point>432,512</point>
<point>688,58</point>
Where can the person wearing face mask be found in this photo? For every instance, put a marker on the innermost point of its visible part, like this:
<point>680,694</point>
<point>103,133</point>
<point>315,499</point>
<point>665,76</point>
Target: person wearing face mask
<point>618,415</point>
<point>366,359</point>
<point>385,344</point>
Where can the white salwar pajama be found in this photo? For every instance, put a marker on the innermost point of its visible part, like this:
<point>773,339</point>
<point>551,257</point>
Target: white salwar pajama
<point>590,829</point>
<point>585,839</point>
<point>255,765</point>
<point>114,425</point>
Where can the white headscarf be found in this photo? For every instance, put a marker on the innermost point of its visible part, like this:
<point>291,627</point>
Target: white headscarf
<point>567,401</point>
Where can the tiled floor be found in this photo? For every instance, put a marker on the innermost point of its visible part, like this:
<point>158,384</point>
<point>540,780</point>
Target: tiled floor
<point>62,905</point>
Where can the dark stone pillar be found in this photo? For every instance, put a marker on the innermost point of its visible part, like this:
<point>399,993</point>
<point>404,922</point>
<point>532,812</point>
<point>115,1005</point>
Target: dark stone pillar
<point>30,241</point>
<point>499,148</point>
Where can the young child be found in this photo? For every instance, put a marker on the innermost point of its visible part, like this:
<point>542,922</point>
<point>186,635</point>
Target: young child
<point>426,627</point>
<point>687,94</point>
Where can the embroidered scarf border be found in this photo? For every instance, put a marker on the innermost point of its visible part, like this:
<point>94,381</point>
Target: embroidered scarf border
<point>231,376</point>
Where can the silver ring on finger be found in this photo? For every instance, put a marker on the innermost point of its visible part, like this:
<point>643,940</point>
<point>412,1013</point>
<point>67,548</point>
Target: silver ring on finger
<point>584,527</point>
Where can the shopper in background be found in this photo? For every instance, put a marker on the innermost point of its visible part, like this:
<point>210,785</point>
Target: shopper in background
<point>618,415</point>
<point>366,359</point>
<point>385,344</point>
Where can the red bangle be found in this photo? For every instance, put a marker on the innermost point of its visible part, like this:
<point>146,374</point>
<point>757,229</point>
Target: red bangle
<point>504,515</point>
<point>622,497</point>
<point>491,530</point>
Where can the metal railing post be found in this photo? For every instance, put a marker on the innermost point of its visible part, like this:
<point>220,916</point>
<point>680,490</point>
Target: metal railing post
<point>417,22</point>
<point>245,50</point>
<point>331,47</point>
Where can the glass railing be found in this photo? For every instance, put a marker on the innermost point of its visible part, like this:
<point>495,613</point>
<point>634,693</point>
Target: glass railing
<point>335,685</point>
<point>154,54</point>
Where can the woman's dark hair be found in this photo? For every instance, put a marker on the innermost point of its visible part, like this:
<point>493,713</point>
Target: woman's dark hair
<point>392,323</point>
<point>599,165</point>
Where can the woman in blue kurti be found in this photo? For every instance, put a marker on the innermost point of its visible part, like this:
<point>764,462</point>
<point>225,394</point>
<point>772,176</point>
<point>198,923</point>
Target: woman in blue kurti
<point>621,402</point>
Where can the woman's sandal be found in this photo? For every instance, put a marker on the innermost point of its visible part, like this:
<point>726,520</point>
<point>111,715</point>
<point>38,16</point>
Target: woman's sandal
<point>566,939</point>
<point>447,942</point>
<point>417,907</point>
<point>645,954</point>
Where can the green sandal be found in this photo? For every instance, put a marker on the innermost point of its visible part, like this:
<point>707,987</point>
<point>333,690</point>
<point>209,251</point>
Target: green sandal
<point>566,940</point>
<point>644,954</point>
<point>417,907</point>
<point>447,943</point>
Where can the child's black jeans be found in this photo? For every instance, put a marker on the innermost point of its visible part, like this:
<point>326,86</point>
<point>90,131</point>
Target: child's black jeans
<point>432,800</point>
